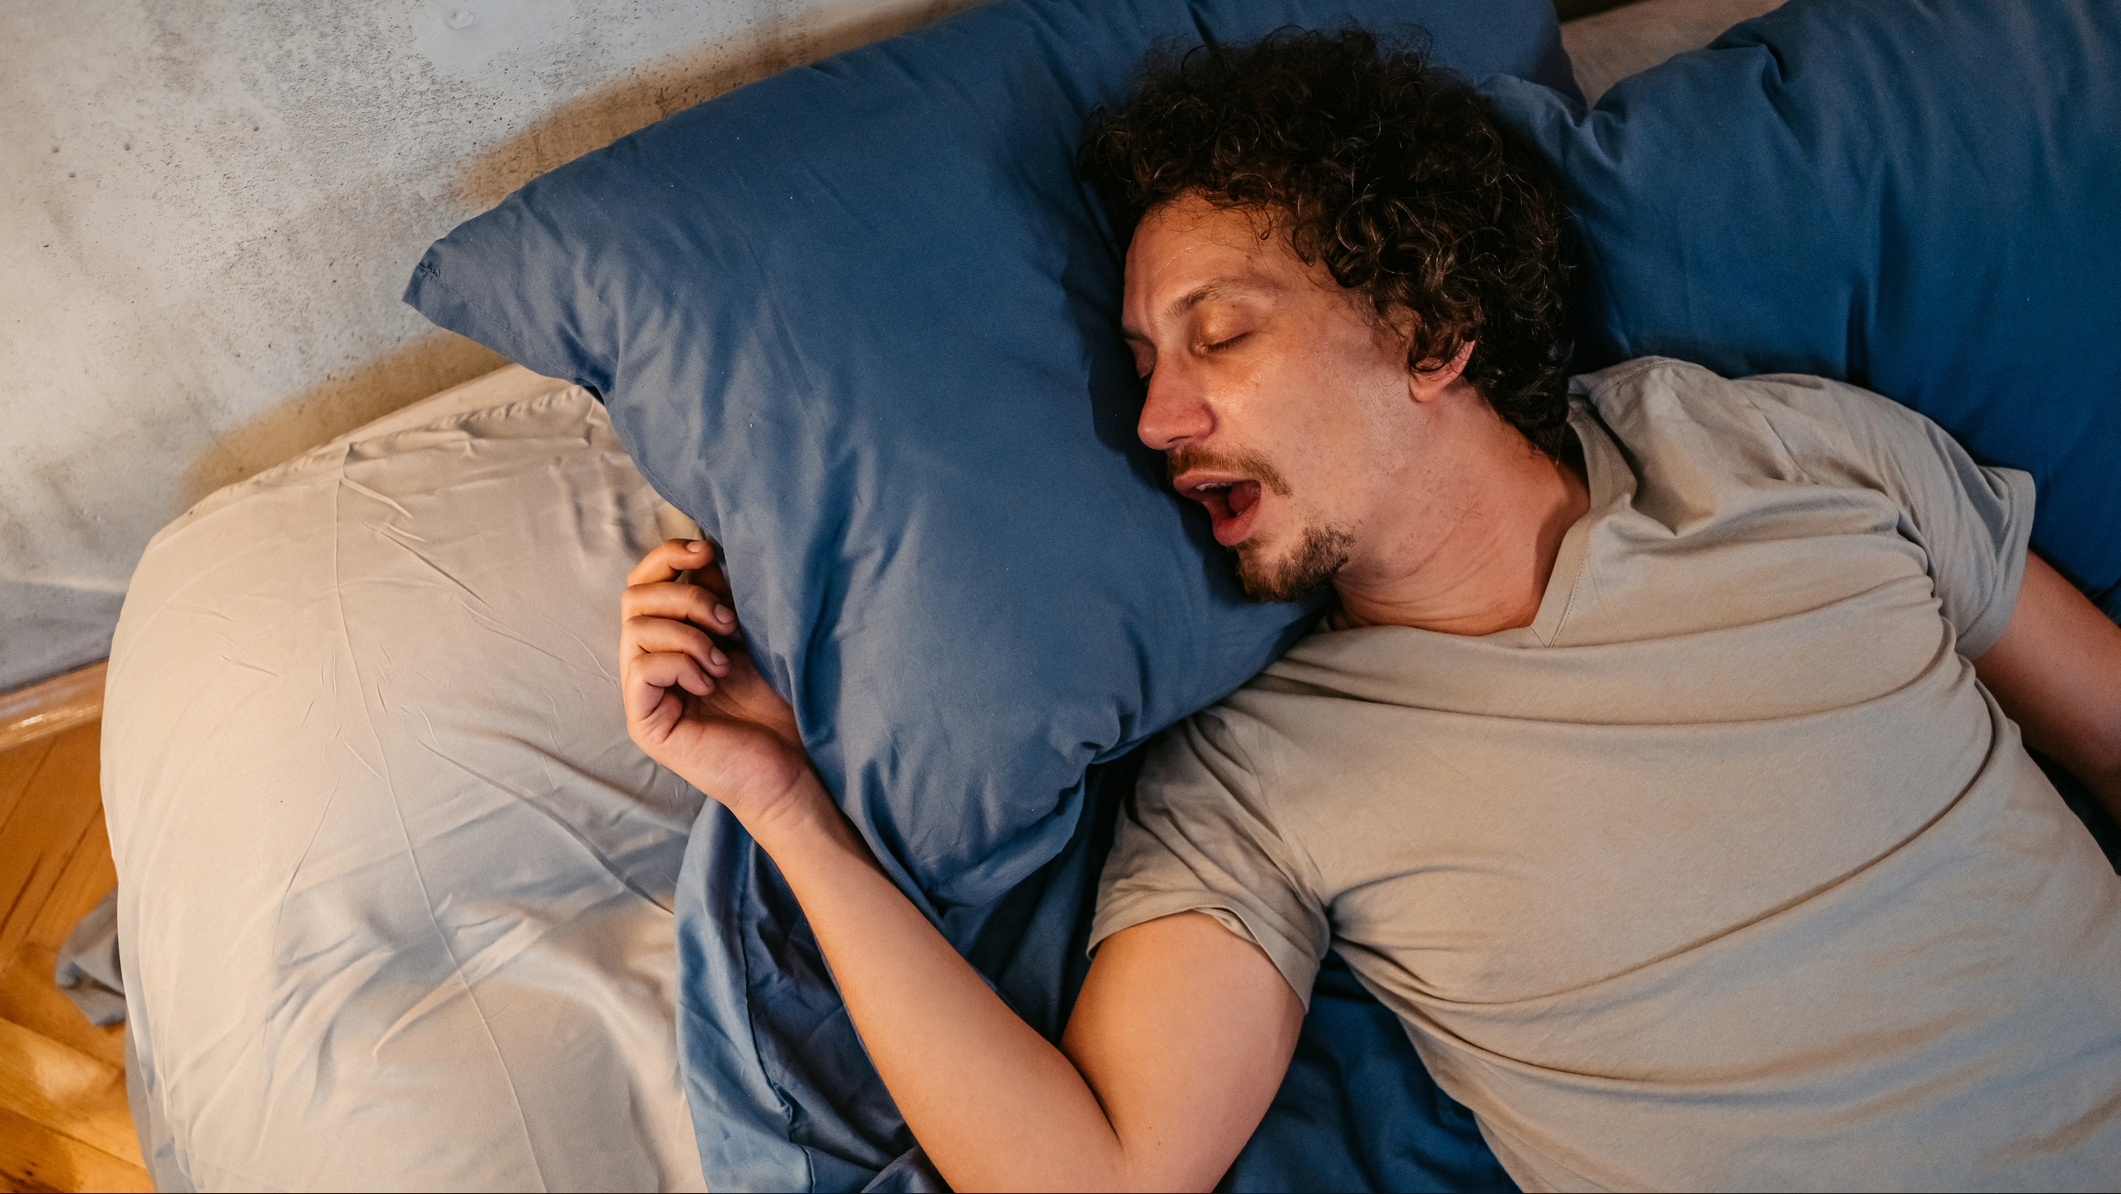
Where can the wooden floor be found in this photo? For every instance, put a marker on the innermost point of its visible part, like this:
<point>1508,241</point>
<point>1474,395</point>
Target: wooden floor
<point>64,1124</point>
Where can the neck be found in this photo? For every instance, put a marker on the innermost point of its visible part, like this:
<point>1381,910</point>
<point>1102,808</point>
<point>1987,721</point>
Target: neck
<point>1476,555</point>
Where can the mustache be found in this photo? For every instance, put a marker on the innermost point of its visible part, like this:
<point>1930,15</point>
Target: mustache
<point>1246,463</point>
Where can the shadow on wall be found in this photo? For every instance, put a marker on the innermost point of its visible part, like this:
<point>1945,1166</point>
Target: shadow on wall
<point>345,401</point>
<point>338,404</point>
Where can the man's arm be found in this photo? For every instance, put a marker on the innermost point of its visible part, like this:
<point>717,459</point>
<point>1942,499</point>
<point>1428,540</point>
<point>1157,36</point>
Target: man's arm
<point>2057,672</point>
<point>1179,1039</point>
<point>1178,1042</point>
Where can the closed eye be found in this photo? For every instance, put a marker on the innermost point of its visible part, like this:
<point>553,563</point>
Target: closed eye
<point>1144,359</point>
<point>1220,345</point>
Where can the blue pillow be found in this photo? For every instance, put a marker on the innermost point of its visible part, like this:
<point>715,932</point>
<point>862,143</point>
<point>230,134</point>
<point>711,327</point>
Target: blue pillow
<point>860,320</point>
<point>1919,196</point>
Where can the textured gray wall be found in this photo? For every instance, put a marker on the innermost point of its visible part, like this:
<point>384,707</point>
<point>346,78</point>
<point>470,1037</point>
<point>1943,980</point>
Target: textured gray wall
<point>208,209</point>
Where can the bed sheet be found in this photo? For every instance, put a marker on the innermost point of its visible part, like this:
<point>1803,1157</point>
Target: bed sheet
<point>395,889</point>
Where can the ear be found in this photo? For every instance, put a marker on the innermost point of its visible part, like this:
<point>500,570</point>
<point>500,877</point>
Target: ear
<point>1431,379</point>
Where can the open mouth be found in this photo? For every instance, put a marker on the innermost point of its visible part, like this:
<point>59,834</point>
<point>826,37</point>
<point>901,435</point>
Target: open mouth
<point>1232,502</point>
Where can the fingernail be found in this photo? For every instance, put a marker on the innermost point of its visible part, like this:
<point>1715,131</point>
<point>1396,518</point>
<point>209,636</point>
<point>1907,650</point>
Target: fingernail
<point>722,613</point>
<point>719,658</point>
<point>696,545</point>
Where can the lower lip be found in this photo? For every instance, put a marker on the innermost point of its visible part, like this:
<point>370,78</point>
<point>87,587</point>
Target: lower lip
<point>1231,530</point>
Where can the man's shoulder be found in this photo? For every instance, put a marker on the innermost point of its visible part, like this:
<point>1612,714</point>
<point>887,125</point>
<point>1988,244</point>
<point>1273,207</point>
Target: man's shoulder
<point>1665,388</point>
<point>1785,425</point>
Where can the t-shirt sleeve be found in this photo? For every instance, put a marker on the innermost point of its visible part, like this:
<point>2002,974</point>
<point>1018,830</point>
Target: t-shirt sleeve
<point>1199,836</point>
<point>1973,521</point>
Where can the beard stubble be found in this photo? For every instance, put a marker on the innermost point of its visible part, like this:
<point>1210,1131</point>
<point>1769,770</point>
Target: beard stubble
<point>1318,557</point>
<point>1320,551</point>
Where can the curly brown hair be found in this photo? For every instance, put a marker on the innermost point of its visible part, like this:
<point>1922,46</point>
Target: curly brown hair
<point>1392,171</point>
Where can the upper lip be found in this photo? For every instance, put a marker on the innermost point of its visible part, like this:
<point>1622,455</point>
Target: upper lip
<point>1193,481</point>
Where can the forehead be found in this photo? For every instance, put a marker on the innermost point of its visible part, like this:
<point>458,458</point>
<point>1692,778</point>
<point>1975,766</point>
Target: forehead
<point>1189,251</point>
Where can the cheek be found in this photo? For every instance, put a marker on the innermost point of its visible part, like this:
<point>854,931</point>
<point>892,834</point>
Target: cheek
<point>1373,414</point>
<point>1329,417</point>
<point>1343,454</point>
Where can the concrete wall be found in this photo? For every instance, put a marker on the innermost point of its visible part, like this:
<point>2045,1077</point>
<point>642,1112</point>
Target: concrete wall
<point>208,209</point>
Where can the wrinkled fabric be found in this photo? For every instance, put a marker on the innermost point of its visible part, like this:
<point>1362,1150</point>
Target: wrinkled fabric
<point>395,889</point>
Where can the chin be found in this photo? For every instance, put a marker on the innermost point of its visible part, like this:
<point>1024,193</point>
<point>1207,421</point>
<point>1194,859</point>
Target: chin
<point>1293,573</point>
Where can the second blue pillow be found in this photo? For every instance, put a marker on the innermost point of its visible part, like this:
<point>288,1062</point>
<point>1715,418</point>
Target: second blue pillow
<point>1918,196</point>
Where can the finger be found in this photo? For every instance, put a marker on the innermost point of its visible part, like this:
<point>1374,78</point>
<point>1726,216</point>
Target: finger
<point>678,601</point>
<point>667,559</point>
<point>654,727</point>
<point>654,635</point>
<point>698,562</point>
<point>645,679</point>
<point>712,577</point>
<point>682,602</point>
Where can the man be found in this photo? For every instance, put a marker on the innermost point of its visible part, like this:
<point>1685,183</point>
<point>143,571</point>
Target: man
<point>1642,767</point>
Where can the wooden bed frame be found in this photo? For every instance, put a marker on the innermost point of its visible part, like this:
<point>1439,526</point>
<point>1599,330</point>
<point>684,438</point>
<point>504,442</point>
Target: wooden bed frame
<point>52,707</point>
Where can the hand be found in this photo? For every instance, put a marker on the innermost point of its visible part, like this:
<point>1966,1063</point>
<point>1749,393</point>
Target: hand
<point>694,701</point>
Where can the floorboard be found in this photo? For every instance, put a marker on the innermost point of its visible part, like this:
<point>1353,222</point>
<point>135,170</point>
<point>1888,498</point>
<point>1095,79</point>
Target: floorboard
<point>49,820</point>
<point>64,1123</point>
<point>17,768</point>
<point>34,1157</point>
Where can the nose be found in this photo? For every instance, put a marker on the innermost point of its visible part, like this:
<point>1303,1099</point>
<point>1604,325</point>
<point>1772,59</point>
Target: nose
<point>1175,411</point>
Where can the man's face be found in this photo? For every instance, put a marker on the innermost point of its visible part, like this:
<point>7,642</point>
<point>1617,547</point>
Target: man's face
<point>1279,404</point>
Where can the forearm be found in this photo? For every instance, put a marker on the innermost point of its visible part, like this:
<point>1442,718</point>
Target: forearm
<point>991,1101</point>
<point>1184,1027</point>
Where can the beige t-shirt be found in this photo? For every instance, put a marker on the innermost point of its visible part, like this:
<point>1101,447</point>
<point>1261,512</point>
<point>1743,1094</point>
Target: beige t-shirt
<point>1725,873</point>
